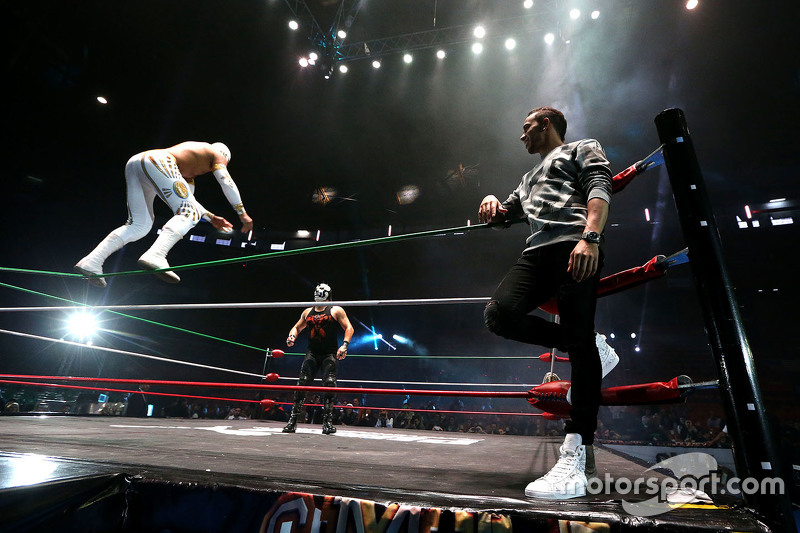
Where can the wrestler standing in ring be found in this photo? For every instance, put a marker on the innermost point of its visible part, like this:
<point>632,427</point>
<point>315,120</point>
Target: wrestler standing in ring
<point>169,174</point>
<point>322,321</point>
<point>565,200</point>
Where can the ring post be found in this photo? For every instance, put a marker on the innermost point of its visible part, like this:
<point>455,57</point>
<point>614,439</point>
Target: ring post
<point>755,451</point>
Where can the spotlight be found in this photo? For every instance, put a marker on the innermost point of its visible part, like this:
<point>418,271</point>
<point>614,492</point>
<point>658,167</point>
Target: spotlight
<point>595,14</point>
<point>633,335</point>
<point>408,58</point>
<point>102,100</point>
<point>342,68</point>
<point>549,38</point>
<point>637,349</point>
<point>293,25</point>
<point>303,62</point>
<point>479,32</point>
<point>401,339</point>
<point>341,34</point>
<point>574,14</point>
<point>527,4</point>
<point>441,54</point>
<point>477,48</point>
<point>376,64</point>
<point>510,44</point>
<point>82,325</point>
<point>691,4</point>
<point>313,56</point>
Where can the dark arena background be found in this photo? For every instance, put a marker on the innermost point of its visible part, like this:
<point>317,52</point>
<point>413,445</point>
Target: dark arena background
<point>364,134</point>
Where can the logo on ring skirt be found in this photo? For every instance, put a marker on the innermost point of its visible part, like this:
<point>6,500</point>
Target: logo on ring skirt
<point>180,189</point>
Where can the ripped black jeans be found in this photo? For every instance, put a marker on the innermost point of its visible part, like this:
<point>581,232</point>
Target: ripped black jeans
<point>536,278</point>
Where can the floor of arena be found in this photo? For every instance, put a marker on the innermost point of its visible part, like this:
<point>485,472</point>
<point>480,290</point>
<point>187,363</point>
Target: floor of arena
<point>182,467</point>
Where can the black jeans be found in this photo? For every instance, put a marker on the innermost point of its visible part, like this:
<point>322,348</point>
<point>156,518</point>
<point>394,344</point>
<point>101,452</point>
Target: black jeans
<point>533,280</point>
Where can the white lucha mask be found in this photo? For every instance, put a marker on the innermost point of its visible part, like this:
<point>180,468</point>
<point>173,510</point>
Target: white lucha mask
<point>322,292</point>
<point>224,150</point>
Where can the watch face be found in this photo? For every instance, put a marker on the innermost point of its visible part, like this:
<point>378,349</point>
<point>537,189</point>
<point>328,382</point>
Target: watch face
<point>591,236</point>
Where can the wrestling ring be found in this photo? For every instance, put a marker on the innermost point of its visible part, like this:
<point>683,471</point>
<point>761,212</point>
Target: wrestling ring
<point>363,477</point>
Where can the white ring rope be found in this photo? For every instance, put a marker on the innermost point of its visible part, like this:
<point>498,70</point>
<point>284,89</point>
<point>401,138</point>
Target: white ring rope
<point>124,352</point>
<point>240,372</point>
<point>253,305</point>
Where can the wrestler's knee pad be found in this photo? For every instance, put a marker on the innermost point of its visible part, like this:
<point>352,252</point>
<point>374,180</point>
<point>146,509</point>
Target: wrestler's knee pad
<point>329,380</point>
<point>186,217</point>
<point>493,317</point>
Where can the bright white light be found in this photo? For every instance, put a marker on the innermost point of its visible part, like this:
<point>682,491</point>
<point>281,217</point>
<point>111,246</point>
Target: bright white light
<point>400,339</point>
<point>477,48</point>
<point>574,14</point>
<point>510,44</point>
<point>781,221</point>
<point>303,62</point>
<point>776,200</point>
<point>303,233</point>
<point>389,231</point>
<point>342,34</point>
<point>748,212</point>
<point>29,470</point>
<point>313,56</point>
<point>549,38</point>
<point>82,325</point>
<point>342,68</point>
<point>527,4</point>
<point>595,14</point>
<point>612,336</point>
<point>637,349</point>
<point>319,232</point>
<point>441,54</point>
<point>647,214</point>
<point>633,335</point>
<point>691,4</point>
<point>312,61</point>
<point>376,64</point>
<point>102,99</point>
<point>408,58</point>
<point>293,25</point>
<point>479,32</point>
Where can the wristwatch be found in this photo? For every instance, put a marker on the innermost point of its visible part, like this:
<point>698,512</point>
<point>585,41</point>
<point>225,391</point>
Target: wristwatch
<point>592,237</point>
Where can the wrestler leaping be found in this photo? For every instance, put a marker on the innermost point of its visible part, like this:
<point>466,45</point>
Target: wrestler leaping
<point>169,174</point>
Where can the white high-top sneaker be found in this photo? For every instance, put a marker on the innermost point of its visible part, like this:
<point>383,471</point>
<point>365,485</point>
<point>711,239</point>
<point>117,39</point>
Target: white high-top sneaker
<point>156,256</point>
<point>608,357</point>
<point>567,479</point>
<point>92,265</point>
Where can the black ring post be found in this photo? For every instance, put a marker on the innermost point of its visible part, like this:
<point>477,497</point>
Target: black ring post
<point>754,448</point>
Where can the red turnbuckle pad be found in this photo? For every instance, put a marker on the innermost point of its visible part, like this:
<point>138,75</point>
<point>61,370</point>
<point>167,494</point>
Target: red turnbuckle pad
<point>277,353</point>
<point>272,376</point>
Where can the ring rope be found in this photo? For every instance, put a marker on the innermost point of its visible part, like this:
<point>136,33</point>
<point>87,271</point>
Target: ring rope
<point>269,402</point>
<point>199,365</point>
<point>281,253</point>
<point>125,352</point>
<point>80,305</point>
<point>415,383</point>
<point>256,305</point>
<point>654,159</point>
<point>291,388</point>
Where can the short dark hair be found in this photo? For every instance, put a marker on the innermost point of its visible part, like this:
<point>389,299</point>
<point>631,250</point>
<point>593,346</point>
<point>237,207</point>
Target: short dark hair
<point>556,118</point>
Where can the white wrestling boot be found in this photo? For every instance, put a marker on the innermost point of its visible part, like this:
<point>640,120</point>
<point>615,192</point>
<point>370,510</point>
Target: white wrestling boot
<point>92,265</point>
<point>156,256</point>
<point>567,479</point>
